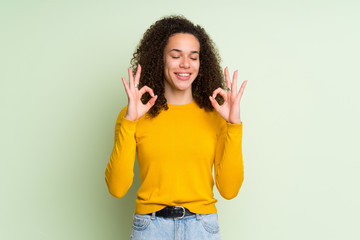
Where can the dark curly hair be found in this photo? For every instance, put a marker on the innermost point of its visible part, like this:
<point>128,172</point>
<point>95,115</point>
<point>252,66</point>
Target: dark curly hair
<point>149,54</point>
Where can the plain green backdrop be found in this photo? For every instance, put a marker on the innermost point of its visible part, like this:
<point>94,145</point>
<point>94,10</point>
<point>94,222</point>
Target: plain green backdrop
<point>61,64</point>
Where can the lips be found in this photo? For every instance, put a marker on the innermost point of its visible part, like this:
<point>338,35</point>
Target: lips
<point>183,76</point>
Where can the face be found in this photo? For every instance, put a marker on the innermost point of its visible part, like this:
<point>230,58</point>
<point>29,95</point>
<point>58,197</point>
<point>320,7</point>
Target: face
<point>181,62</point>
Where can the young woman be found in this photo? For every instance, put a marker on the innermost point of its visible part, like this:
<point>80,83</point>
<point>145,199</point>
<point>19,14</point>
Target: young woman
<point>181,122</point>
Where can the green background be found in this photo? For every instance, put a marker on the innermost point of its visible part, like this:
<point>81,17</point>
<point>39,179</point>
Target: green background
<point>61,64</point>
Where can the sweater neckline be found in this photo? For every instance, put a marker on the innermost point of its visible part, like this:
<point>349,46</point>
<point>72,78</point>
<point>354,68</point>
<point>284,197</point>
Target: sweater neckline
<point>182,106</point>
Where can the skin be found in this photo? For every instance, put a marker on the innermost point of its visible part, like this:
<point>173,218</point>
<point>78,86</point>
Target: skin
<point>136,109</point>
<point>230,110</point>
<point>181,55</point>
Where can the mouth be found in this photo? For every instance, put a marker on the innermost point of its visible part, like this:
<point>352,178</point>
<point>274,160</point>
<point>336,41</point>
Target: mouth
<point>183,76</point>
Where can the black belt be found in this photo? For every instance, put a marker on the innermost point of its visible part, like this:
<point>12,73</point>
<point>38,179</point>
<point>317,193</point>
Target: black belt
<point>173,212</point>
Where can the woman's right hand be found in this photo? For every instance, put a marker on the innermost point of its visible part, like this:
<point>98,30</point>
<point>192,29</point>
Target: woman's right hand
<point>136,109</point>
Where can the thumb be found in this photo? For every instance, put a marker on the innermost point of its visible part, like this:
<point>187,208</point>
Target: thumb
<point>151,102</point>
<point>214,103</point>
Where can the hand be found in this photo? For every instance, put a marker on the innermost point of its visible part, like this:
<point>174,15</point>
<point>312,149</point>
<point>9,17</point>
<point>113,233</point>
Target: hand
<point>136,109</point>
<point>230,110</point>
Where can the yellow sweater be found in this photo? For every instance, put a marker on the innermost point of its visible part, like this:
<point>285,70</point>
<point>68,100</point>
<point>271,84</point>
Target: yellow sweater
<point>176,152</point>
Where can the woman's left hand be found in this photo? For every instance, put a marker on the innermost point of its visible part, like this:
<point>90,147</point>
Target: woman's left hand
<point>230,109</point>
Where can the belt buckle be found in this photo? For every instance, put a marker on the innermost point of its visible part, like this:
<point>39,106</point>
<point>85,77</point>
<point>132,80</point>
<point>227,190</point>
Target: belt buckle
<point>183,213</point>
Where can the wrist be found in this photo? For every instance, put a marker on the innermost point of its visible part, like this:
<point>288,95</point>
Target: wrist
<point>235,122</point>
<point>130,118</point>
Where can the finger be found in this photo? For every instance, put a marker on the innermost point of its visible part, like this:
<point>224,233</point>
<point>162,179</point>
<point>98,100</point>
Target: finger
<point>145,89</point>
<point>131,78</point>
<point>221,92</point>
<point>151,102</point>
<point>138,74</point>
<point>239,95</point>
<point>234,83</point>
<point>127,90</point>
<point>214,103</point>
<point>227,78</point>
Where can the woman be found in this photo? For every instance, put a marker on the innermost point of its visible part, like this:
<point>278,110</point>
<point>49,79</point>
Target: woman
<point>181,123</point>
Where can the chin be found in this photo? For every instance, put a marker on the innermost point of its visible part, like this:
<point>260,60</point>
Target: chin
<point>183,87</point>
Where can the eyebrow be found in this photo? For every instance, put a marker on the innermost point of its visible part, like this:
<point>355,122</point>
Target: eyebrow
<point>178,50</point>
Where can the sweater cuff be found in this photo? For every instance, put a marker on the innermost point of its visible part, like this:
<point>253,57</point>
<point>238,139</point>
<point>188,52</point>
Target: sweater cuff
<point>234,128</point>
<point>127,124</point>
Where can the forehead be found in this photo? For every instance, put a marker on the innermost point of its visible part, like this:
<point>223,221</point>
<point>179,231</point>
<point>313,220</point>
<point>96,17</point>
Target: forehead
<point>184,42</point>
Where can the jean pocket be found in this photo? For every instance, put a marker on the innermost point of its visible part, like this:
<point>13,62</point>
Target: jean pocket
<point>141,222</point>
<point>210,222</point>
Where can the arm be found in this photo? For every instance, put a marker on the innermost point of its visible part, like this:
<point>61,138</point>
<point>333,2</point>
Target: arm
<point>229,168</point>
<point>119,172</point>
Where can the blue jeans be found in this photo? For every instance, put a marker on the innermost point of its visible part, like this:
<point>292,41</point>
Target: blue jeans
<point>194,227</point>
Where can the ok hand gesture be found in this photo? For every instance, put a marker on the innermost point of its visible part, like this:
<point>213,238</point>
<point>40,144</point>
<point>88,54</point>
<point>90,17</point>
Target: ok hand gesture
<point>136,108</point>
<point>230,110</point>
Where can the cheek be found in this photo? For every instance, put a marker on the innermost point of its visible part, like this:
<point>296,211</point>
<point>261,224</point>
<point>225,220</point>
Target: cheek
<point>197,66</point>
<point>166,62</point>
<point>169,64</point>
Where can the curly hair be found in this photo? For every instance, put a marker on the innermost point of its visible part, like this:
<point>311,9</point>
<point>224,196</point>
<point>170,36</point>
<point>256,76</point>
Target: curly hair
<point>149,54</point>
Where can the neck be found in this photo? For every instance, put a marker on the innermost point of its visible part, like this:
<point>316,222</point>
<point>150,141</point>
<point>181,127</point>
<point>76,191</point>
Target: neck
<point>178,97</point>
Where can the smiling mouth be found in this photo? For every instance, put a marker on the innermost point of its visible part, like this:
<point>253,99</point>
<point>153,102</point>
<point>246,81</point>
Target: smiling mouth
<point>183,74</point>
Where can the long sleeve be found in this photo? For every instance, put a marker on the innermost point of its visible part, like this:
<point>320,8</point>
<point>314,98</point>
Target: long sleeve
<point>119,172</point>
<point>176,152</point>
<point>229,168</point>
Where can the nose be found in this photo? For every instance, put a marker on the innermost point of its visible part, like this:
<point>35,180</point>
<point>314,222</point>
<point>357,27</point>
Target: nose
<point>184,63</point>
